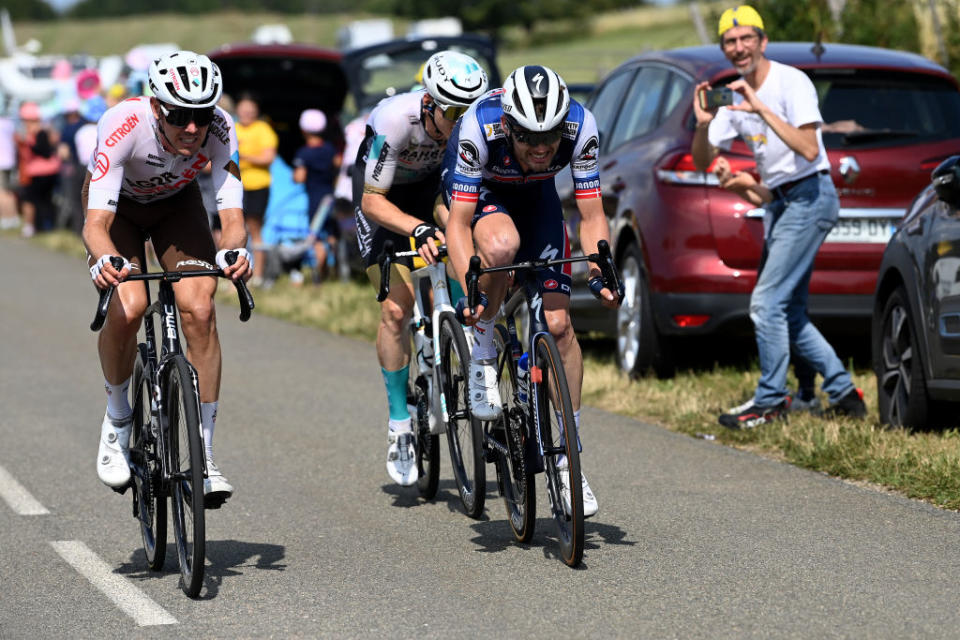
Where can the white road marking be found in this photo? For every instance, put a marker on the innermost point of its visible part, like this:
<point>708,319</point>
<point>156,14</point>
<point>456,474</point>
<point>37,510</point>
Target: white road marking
<point>18,497</point>
<point>131,600</point>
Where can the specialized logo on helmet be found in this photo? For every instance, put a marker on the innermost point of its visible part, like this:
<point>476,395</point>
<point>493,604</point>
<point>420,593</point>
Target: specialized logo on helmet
<point>538,79</point>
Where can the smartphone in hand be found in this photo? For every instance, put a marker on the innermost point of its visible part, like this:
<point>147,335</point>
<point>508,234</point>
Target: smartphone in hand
<point>714,98</point>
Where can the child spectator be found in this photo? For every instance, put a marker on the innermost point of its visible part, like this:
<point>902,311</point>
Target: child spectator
<point>315,165</point>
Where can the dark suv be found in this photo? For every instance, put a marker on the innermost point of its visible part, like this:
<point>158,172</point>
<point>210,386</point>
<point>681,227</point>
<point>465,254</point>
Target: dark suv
<point>689,249</point>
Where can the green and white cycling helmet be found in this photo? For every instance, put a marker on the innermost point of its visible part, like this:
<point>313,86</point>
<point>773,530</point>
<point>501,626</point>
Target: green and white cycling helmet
<point>185,79</point>
<point>454,79</point>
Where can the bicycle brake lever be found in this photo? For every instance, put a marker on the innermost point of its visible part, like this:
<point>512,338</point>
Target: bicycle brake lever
<point>243,293</point>
<point>609,270</point>
<point>473,284</point>
<point>106,295</point>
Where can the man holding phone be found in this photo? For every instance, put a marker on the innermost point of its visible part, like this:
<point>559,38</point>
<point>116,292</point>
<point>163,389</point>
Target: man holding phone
<point>779,118</point>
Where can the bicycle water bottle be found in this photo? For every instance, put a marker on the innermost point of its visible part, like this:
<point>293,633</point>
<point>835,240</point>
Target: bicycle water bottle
<point>523,377</point>
<point>424,346</point>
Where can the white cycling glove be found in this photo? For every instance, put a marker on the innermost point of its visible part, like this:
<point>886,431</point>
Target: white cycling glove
<point>222,257</point>
<point>104,259</point>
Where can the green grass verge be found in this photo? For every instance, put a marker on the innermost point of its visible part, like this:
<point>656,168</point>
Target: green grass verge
<point>920,465</point>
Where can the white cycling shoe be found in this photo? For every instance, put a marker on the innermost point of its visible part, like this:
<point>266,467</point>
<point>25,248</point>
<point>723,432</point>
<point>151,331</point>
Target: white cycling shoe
<point>484,391</point>
<point>402,458</point>
<point>590,505</point>
<point>216,488</point>
<point>113,455</point>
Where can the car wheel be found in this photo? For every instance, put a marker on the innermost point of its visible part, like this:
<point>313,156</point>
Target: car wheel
<point>901,386</point>
<point>639,345</point>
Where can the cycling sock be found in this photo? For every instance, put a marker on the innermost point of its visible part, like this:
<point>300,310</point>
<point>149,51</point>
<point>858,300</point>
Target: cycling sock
<point>118,405</point>
<point>576,420</point>
<point>396,383</point>
<point>483,347</point>
<point>208,420</point>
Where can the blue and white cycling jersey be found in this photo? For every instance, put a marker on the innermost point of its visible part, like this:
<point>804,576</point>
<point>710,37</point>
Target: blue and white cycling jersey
<point>485,153</point>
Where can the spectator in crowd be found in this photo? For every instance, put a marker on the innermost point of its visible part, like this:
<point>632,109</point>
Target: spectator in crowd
<point>72,169</point>
<point>315,166</point>
<point>39,170</point>
<point>258,148</point>
<point>8,162</point>
<point>779,116</point>
<point>85,139</point>
<point>115,94</point>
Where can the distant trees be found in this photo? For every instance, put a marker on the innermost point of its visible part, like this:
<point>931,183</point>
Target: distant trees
<point>29,9</point>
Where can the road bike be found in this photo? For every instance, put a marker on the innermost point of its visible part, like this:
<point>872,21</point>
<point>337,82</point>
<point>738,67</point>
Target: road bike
<point>437,386</point>
<point>166,442</point>
<point>537,410</point>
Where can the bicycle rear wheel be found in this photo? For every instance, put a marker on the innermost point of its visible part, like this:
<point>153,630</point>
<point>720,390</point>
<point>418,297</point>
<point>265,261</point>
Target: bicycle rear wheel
<point>558,435</point>
<point>516,478</point>
<point>186,470</point>
<point>150,501</point>
<point>428,445</point>
<point>464,433</point>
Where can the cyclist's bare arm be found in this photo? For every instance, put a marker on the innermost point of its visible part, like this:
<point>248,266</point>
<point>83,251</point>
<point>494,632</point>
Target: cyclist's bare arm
<point>376,207</point>
<point>233,235</point>
<point>593,229</point>
<point>96,238</point>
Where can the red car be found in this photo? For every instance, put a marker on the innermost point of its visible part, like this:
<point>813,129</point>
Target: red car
<point>689,250</point>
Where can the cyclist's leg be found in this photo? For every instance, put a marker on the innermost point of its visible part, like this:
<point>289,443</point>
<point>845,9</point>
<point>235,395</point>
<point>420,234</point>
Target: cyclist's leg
<point>117,347</point>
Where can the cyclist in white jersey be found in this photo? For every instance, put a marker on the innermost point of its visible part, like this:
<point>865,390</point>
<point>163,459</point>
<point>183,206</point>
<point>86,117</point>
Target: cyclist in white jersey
<point>141,180</point>
<point>396,181</point>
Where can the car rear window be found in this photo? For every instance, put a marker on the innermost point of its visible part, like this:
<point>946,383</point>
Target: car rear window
<point>874,108</point>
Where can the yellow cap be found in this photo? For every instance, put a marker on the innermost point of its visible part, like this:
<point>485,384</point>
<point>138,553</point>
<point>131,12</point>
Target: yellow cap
<point>742,16</point>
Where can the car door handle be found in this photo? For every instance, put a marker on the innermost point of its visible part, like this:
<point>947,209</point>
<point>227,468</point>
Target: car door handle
<point>609,165</point>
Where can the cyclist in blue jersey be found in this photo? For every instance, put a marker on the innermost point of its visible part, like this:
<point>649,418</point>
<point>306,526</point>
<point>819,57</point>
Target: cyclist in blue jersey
<point>498,182</point>
<point>395,184</point>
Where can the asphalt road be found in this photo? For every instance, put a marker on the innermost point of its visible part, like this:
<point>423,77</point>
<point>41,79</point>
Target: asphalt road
<point>693,540</point>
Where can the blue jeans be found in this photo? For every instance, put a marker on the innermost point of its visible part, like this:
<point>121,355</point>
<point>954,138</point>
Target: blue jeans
<point>778,305</point>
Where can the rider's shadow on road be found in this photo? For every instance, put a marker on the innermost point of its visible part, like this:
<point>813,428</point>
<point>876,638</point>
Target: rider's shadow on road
<point>225,558</point>
<point>447,494</point>
<point>495,536</point>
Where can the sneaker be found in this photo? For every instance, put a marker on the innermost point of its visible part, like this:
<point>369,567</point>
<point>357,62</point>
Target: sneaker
<point>590,505</point>
<point>27,231</point>
<point>113,455</point>
<point>402,458</point>
<point>216,488</point>
<point>799,402</point>
<point>851,405</point>
<point>484,390</point>
<point>753,415</point>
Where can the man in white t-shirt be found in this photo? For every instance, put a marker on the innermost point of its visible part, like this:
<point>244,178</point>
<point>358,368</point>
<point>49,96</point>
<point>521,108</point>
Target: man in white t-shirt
<point>778,116</point>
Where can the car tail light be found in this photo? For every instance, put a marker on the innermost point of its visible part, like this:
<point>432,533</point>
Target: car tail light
<point>932,163</point>
<point>679,169</point>
<point>690,320</point>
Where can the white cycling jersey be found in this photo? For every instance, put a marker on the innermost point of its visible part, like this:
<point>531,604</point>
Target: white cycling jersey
<point>130,160</point>
<point>400,151</point>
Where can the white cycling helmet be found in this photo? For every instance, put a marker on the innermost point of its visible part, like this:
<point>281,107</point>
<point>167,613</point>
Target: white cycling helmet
<point>454,79</point>
<point>185,79</point>
<point>535,98</point>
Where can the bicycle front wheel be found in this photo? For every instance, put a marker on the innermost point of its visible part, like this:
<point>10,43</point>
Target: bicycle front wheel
<point>516,478</point>
<point>464,434</point>
<point>150,502</point>
<point>561,453</point>
<point>186,471</point>
<point>428,444</point>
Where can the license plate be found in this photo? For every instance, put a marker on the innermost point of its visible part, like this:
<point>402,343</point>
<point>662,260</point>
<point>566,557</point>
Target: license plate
<point>867,230</point>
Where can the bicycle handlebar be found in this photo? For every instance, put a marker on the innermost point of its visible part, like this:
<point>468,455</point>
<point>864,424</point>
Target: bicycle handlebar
<point>106,295</point>
<point>386,259</point>
<point>603,259</point>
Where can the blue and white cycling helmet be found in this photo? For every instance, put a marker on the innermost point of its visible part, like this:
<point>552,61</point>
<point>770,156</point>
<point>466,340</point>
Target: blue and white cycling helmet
<point>185,79</point>
<point>454,79</point>
<point>535,98</point>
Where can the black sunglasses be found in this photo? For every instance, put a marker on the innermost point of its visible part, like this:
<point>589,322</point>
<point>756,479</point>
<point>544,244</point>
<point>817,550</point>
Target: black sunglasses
<point>536,138</point>
<point>180,117</point>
